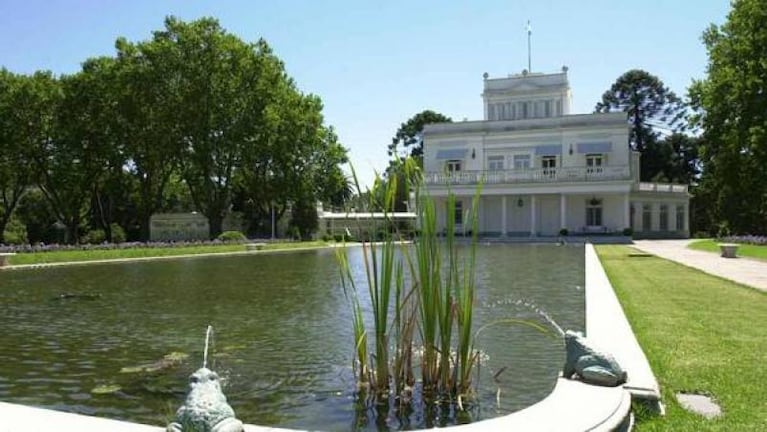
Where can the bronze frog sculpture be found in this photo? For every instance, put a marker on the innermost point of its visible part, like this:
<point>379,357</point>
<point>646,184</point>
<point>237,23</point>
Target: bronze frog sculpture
<point>590,364</point>
<point>205,408</point>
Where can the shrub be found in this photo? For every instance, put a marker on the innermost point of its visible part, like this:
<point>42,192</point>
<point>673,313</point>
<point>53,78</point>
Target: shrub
<point>118,233</point>
<point>15,233</point>
<point>231,236</point>
<point>628,232</point>
<point>96,236</point>
<point>563,232</point>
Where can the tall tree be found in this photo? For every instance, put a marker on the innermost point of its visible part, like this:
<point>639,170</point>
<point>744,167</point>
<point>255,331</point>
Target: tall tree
<point>147,96</point>
<point>30,127</point>
<point>409,136</point>
<point>220,108</point>
<point>73,165</point>
<point>16,125</point>
<point>653,111</point>
<point>732,112</point>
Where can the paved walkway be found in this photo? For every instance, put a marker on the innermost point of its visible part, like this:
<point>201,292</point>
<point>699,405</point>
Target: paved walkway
<point>746,271</point>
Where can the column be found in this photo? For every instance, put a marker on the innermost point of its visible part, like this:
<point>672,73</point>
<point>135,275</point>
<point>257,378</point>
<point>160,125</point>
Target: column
<point>687,218</point>
<point>626,211</point>
<point>562,211</point>
<point>638,216</point>
<point>503,216</point>
<point>532,216</point>
<point>655,216</point>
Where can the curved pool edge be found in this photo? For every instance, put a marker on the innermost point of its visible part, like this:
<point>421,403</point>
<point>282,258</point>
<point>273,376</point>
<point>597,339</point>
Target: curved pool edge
<point>571,406</point>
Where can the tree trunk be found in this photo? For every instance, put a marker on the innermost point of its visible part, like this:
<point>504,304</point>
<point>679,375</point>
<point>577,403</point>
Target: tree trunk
<point>215,224</point>
<point>3,223</point>
<point>145,219</point>
<point>73,231</point>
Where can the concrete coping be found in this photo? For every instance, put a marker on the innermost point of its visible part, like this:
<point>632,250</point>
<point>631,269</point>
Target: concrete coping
<point>729,250</point>
<point>608,328</point>
<point>571,407</point>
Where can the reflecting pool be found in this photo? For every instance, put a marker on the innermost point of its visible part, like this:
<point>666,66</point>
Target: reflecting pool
<point>116,344</point>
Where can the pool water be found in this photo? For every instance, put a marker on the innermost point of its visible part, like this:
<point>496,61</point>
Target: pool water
<point>283,341</point>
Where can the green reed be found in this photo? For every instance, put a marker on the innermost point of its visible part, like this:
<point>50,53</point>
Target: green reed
<point>434,302</point>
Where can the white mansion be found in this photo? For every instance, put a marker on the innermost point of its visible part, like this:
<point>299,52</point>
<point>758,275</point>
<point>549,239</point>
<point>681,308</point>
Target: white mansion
<point>544,169</point>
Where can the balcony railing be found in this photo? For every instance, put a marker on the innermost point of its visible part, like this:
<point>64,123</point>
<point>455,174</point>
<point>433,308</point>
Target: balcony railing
<point>662,187</point>
<point>533,175</point>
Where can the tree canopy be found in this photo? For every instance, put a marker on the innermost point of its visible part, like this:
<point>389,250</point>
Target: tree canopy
<point>655,114</point>
<point>409,136</point>
<point>731,108</point>
<point>193,114</point>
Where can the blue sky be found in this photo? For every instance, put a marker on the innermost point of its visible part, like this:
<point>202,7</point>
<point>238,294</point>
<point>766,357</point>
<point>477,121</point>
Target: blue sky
<point>377,63</point>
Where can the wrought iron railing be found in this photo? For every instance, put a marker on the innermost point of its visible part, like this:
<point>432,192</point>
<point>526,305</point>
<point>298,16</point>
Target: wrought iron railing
<point>532,175</point>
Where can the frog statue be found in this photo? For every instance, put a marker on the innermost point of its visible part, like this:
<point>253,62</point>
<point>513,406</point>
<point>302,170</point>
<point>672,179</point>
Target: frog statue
<point>590,364</point>
<point>205,408</point>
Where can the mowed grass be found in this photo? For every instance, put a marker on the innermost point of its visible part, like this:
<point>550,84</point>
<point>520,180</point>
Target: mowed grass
<point>701,334</point>
<point>95,255</point>
<point>746,250</point>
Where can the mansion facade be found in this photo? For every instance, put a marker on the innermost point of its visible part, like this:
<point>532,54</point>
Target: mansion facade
<point>543,169</point>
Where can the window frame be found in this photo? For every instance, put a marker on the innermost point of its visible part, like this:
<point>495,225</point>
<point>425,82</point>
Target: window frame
<point>453,165</point>
<point>494,159</point>
<point>594,213</point>
<point>595,162</point>
<point>663,217</point>
<point>551,170</point>
<point>458,212</point>
<point>522,156</point>
<point>646,217</point>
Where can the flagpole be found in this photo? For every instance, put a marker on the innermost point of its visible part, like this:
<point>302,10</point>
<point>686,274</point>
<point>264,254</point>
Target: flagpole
<point>529,33</point>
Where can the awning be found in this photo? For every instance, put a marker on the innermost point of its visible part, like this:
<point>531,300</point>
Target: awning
<point>595,147</point>
<point>548,150</point>
<point>450,154</point>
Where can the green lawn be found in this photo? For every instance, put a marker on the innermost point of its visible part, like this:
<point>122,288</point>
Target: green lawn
<point>92,255</point>
<point>746,250</point>
<point>700,333</point>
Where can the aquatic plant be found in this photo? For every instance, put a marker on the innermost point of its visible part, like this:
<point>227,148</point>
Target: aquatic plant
<point>427,289</point>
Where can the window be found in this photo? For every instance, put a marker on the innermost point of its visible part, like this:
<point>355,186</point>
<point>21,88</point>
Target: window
<point>664,217</point>
<point>539,109</point>
<point>680,218</point>
<point>513,111</point>
<point>594,163</point>
<point>453,166</point>
<point>559,108</point>
<point>646,217</point>
<point>525,110</point>
<point>458,212</point>
<point>522,161</point>
<point>495,163</point>
<point>491,111</point>
<point>547,109</point>
<point>549,165</point>
<point>594,212</point>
